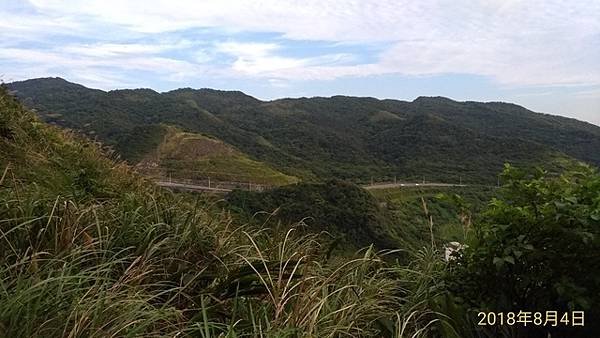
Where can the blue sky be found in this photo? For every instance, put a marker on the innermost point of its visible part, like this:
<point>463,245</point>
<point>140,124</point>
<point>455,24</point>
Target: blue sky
<point>544,55</point>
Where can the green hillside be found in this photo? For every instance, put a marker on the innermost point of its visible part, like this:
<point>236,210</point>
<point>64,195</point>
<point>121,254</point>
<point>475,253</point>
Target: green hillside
<point>182,155</point>
<point>320,138</point>
<point>352,217</point>
<point>355,218</point>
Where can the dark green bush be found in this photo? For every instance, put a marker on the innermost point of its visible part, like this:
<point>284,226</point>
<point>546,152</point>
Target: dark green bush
<point>537,249</point>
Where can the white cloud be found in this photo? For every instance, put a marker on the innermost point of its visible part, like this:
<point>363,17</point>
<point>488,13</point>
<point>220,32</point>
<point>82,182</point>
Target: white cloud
<point>92,66</point>
<point>247,49</point>
<point>590,94</point>
<point>257,58</point>
<point>261,59</point>
<point>117,49</point>
<point>16,26</point>
<point>516,43</point>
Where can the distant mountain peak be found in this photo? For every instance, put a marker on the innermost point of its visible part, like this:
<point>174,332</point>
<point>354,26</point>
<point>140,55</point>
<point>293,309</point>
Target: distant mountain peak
<point>433,99</point>
<point>49,83</point>
<point>48,80</point>
<point>136,90</point>
<point>215,95</point>
<point>208,91</point>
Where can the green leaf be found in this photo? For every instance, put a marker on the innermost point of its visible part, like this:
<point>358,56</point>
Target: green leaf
<point>571,199</point>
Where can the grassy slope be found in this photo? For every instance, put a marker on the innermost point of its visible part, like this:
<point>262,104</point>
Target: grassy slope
<point>195,156</point>
<point>339,137</point>
<point>88,249</point>
<point>444,205</point>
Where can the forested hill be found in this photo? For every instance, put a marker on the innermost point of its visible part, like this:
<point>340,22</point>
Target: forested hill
<point>316,138</point>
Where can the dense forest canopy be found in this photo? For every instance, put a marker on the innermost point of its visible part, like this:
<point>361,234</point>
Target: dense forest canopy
<point>319,138</point>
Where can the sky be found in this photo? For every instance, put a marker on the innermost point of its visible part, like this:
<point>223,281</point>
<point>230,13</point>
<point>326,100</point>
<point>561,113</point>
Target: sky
<point>542,54</point>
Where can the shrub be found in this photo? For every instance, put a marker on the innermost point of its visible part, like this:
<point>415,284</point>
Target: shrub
<point>536,249</point>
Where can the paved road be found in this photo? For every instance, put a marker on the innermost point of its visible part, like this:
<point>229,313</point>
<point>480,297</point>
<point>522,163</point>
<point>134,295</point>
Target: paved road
<point>409,185</point>
<point>191,187</point>
<point>194,187</point>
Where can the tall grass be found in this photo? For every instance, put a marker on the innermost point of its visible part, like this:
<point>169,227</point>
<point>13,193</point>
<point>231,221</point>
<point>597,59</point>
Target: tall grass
<point>88,249</point>
<point>157,265</point>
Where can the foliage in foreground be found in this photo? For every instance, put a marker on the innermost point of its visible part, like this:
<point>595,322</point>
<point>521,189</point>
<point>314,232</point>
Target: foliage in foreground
<point>157,266</point>
<point>537,248</point>
<point>88,249</point>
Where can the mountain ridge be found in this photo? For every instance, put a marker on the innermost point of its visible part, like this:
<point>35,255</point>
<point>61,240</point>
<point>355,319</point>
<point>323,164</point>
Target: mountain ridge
<point>61,80</point>
<point>343,137</point>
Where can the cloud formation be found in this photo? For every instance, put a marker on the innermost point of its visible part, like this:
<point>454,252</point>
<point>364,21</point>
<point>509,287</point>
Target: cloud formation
<point>514,42</point>
<point>109,43</point>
